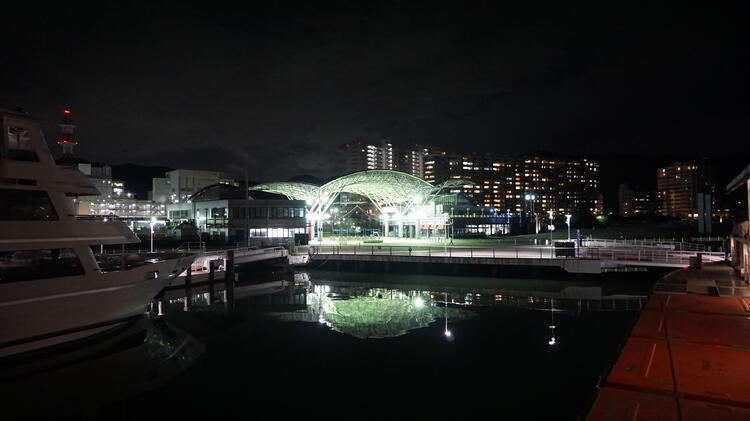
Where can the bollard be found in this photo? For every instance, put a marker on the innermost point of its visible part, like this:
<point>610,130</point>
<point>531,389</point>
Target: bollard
<point>188,284</point>
<point>229,277</point>
<point>210,282</point>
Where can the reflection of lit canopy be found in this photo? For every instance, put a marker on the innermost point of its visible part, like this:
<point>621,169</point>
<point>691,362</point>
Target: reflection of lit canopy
<point>388,314</point>
<point>385,188</point>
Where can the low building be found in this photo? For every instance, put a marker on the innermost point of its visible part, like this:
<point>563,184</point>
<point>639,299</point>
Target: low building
<point>634,202</point>
<point>178,185</point>
<point>739,242</point>
<point>113,198</point>
<point>222,212</point>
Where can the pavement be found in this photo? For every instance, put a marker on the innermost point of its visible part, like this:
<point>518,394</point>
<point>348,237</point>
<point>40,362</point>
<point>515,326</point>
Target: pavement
<point>688,355</point>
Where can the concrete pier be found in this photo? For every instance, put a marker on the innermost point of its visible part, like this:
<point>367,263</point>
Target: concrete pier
<point>568,265</point>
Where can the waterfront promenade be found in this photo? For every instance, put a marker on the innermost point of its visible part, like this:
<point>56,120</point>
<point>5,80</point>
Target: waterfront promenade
<point>688,355</point>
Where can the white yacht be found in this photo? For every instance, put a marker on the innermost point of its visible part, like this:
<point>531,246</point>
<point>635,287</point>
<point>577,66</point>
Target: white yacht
<point>53,288</point>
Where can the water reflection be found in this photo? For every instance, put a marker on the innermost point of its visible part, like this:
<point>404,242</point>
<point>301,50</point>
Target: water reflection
<point>82,378</point>
<point>372,312</point>
<point>372,309</point>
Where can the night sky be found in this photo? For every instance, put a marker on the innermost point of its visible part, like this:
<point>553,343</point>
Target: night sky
<point>290,83</point>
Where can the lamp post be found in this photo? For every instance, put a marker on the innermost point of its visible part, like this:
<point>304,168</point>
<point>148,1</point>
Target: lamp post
<point>247,205</point>
<point>567,222</point>
<point>153,221</point>
<point>551,226</point>
<point>530,198</point>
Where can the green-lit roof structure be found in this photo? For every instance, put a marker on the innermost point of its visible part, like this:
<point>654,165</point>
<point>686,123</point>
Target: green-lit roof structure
<point>389,191</point>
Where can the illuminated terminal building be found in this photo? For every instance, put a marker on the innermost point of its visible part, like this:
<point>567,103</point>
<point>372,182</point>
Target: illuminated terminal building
<point>534,184</point>
<point>405,206</point>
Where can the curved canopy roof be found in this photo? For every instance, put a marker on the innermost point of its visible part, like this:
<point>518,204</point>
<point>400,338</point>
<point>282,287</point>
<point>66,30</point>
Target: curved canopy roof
<point>216,191</point>
<point>385,188</point>
<point>291,189</point>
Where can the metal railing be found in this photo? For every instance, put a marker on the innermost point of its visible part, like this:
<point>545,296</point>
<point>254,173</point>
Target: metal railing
<point>659,244</point>
<point>187,246</point>
<point>648,255</point>
<point>627,254</point>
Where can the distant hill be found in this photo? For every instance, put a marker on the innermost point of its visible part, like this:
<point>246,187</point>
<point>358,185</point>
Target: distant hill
<point>138,177</point>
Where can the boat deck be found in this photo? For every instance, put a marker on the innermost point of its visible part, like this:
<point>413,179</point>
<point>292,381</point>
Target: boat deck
<point>688,355</point>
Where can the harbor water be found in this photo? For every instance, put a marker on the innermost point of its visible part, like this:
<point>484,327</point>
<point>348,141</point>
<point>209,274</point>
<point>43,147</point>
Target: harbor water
<point>525,348</point>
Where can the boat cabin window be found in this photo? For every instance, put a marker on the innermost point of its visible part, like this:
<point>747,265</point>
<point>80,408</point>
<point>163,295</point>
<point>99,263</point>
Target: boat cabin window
<point>26,205</point>
<point>19,144</point>
<point>28,265</point>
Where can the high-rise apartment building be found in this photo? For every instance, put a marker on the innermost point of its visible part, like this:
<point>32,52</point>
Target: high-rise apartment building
<point>362,156</point>
<point>679,186</point>
<point>559,185</point>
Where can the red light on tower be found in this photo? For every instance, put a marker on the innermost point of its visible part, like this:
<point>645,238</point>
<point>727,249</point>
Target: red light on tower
<point>67,129</point>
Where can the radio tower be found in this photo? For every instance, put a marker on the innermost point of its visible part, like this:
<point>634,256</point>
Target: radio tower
<point>67,139</point>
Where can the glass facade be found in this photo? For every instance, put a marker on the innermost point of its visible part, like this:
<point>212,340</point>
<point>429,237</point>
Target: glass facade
<point>276,232</point>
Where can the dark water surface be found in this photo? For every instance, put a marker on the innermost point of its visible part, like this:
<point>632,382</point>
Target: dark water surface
<point>324,341</point>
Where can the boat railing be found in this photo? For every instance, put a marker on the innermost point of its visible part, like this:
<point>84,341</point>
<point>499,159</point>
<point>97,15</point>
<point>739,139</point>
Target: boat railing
<point>131,260</point>
<point>103,218</point>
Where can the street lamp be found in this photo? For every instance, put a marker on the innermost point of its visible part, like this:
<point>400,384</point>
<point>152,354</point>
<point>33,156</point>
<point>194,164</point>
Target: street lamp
<point>153,221</point>
<point>531,198</point>
<point>567,222</point>
<point>551,226</point>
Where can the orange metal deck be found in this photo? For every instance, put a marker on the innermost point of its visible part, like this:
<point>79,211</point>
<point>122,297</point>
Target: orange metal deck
<point>688,358</point>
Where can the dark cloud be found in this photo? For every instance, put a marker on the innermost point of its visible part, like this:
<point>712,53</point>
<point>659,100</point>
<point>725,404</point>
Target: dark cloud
<point>197,86</point>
